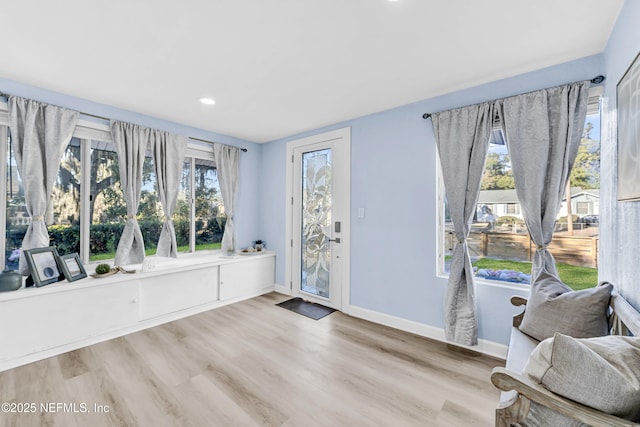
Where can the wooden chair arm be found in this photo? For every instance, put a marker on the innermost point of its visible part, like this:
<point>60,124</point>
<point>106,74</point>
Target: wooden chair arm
<point>518,301</point>
<point>507,380</point>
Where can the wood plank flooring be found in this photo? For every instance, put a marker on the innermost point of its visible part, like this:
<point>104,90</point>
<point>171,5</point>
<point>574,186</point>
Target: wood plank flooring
<point>256,364</point>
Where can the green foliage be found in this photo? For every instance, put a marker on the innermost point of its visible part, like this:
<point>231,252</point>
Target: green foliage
<point>497,173</point>
<point>149,207</point>
<point>586,168</point>
<point>509,220</point>
<point>66,238</point>
<point>105,237</point>
<point>115,206</point>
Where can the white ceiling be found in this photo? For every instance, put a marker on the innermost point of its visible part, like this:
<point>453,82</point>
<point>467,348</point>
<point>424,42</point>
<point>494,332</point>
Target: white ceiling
<point>280,67</point>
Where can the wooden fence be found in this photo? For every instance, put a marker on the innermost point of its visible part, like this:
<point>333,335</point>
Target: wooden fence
<point>573,250</point>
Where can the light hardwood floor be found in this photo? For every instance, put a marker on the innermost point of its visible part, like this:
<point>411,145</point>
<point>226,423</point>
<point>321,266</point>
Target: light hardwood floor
<point>253,363</point>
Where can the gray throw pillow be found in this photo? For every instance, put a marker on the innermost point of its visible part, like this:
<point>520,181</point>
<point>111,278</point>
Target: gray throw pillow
<point>602,373</point>
<point>555,307</point>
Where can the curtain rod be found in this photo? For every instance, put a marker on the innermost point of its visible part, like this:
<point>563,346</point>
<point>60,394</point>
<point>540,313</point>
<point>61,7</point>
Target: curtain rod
<point>244,150</point>
<point>596,81</point>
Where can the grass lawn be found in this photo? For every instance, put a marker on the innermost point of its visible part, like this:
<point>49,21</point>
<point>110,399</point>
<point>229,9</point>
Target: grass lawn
<point>575,277</point>
<point>152,251</point>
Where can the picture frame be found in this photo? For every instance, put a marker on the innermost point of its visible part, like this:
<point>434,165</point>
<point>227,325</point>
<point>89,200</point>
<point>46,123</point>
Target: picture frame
<point>43,265</point>
<point>72,267</point>
<point>628,101</point>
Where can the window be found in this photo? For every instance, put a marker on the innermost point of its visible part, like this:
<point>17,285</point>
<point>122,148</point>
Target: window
<point>87,212</point>
<point>582,208</point>
<point>499,243</point>
<point>107,211</point>
<point>17,218</point>
<point>513,209</point>
<point>199,206</point>
<point>209,210</point>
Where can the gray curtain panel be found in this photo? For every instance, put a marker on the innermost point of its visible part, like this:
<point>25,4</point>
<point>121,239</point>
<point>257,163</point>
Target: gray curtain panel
<point>227,163</point>
<point>39,134</point>
<point>168,157</point>
<point>543,131</point>
<point>462,137</point>
<point>131,145</point>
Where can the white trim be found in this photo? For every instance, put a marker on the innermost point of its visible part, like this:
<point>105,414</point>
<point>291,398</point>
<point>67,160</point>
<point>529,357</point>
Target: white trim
<point>490,348</point>
<point>282,289</point>
<point>344,137</point>
<point>85,186</point>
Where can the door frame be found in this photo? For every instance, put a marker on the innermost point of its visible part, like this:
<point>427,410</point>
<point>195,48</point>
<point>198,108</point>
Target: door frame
<point>341,136</point>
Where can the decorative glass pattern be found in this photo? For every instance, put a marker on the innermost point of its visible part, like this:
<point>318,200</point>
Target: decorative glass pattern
<point>316,223</point>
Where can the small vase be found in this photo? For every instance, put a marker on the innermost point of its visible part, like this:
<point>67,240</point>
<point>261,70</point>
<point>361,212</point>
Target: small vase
<point>10,281</point>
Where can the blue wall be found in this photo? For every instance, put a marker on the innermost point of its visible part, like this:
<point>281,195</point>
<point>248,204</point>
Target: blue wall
<point>250,162</point>
<point>393,176</point>
<point>620,222</point>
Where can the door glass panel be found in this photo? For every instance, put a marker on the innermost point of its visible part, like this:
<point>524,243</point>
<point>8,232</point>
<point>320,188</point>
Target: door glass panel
<point>316,222</point>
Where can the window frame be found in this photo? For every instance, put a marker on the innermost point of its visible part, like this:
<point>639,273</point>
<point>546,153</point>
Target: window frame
<point>87,130</point>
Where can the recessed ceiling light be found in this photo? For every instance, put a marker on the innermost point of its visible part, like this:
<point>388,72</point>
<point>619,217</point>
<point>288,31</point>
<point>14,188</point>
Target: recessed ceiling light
<point>207,101</point>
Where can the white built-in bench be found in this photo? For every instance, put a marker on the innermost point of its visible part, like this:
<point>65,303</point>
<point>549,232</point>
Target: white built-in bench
<point>50,320</point>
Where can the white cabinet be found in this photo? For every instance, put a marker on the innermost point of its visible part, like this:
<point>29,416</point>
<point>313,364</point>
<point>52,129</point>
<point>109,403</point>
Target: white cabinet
<point>248,277</point>
<point>43,321</point>
<point>36,323</point>
<point>173,292</point>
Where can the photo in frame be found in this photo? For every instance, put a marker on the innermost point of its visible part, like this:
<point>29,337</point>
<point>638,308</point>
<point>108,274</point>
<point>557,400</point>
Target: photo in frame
<point>72,267</point>
<point>628,98</point>
<point>43,265</point>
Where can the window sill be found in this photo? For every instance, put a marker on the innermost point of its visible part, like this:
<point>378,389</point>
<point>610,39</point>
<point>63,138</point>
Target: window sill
<point>162,266</point>
<point>494,283</point>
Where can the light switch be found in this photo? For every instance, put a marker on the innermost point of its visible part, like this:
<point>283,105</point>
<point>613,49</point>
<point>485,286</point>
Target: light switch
<point>360,212</point>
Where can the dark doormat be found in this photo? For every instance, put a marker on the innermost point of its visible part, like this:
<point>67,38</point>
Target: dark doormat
<point>309,309</point>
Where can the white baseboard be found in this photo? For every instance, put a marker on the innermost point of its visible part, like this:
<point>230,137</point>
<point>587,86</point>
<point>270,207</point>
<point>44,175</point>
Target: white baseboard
<point>282,289</point>
<point>489,348</point>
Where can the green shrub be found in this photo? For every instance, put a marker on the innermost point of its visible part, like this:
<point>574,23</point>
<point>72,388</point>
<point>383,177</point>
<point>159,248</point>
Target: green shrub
<point>106,236</point>
<point>66,238</point>
<point>563,219</point>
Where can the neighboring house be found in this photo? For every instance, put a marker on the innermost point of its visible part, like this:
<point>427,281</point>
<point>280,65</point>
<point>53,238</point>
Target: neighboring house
<point>500,202</point>
<point>583,202</point>
<point>505,202</point>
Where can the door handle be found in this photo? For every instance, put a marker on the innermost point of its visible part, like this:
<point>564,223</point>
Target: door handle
<point>336,240</point>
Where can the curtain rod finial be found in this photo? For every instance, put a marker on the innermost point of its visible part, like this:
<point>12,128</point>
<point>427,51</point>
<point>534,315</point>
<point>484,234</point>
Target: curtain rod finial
<point>426,116</point>
<point>597,80</point>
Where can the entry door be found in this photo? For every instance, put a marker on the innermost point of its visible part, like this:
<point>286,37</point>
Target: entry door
<point>320,217</point>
